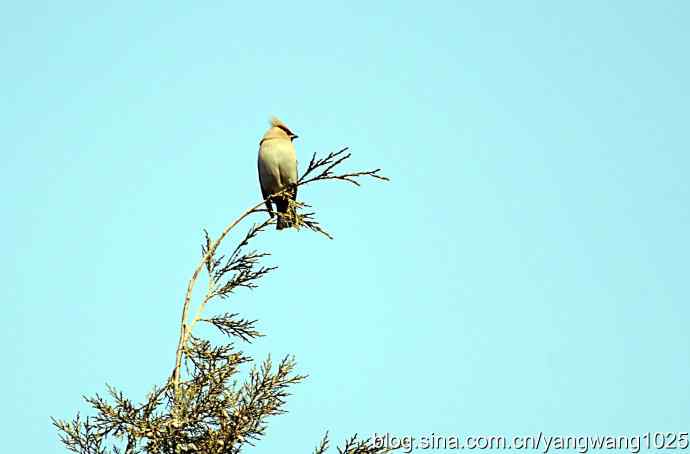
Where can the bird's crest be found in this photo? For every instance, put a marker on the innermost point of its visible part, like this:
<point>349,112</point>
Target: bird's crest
<point>275,121</point>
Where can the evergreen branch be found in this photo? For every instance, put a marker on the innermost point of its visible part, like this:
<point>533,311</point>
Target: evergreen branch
<point>228,325</point>
<point>325,166</point>
<point>208,411</point>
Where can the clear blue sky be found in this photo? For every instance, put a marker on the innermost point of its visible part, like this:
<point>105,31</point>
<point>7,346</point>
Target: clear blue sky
<point>526,268</point>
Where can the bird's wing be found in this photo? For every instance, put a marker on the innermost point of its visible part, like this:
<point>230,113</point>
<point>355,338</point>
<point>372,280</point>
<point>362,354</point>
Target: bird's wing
<point>264,190</point>
<point>288,168</point>
<point>296,179</point>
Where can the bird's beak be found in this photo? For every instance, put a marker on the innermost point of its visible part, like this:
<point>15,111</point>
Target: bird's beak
<point>293,137</point>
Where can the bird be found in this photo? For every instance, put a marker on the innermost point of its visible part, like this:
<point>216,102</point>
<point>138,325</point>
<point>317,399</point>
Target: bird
<point>278,171</point>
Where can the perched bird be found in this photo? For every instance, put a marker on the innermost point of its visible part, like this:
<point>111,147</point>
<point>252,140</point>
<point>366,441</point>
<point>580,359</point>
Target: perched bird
<point>278,171</point>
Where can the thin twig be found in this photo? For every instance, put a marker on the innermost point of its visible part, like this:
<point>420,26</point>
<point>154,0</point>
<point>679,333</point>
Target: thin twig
<point>184,331</point>
<point>330,161</point>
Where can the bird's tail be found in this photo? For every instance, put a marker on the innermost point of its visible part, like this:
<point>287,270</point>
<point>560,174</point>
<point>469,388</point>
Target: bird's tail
<point>286,213</point>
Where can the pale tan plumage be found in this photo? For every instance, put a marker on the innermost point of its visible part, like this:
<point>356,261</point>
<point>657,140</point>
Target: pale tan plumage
<point>278,170</point>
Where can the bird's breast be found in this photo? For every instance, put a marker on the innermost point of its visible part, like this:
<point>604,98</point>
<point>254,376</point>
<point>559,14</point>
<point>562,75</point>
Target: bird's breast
<point>277,164</point>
